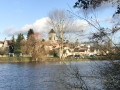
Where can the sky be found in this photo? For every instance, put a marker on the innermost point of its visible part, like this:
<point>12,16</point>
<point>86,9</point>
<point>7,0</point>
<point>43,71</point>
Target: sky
<point>17,16</point>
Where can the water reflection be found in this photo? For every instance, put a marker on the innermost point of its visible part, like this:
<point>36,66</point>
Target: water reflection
<point>37,76</point>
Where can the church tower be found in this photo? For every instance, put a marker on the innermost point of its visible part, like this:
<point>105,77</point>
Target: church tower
<point>52,36</point>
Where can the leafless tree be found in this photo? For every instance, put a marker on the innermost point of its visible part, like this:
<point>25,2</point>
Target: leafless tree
<point>4,51</point>
<point>34,47</point>
<point>109,73</point>
<point>60,21</point>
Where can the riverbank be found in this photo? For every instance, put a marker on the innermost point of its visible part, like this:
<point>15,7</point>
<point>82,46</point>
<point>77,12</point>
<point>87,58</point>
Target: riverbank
<point>15,59</point>
<point>53,59</point>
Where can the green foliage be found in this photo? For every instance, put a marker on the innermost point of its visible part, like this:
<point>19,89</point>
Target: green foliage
<point>43,40</point>
<point>18,43</point>
<point>30,32</point>
<point>13,40</point>
<point>13,44</point>
<point>17,51</point>
<point>54,53</point>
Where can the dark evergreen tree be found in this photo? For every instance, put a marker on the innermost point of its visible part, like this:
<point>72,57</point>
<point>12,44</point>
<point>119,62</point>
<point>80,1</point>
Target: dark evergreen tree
<point>18,43</point>
<point>11,47</point>
<point>30,32</point>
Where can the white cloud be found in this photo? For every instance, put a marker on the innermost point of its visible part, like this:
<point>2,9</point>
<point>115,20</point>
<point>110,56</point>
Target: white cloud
<point>79,25</point>
<point>9,30</point>
<point>38,26</point>
<point>42,25</point>
<point>108,19</point>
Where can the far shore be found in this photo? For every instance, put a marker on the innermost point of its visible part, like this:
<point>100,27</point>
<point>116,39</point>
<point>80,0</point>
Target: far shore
<point>50,59</point>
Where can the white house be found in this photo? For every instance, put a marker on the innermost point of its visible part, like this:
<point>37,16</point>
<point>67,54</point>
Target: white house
<point>5,44</point>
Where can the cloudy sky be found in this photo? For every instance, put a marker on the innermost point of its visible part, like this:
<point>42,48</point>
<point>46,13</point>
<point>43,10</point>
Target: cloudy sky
<point>18,16</point>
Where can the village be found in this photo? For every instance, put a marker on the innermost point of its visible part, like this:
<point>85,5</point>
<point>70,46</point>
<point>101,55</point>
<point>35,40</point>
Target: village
<point>52,45</point>
<point>60,45</point>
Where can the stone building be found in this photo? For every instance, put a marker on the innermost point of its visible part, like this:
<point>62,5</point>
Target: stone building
<point>52,36</point>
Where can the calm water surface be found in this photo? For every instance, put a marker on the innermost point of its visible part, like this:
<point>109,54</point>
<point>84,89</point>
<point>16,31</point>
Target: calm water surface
<point>36,76</point>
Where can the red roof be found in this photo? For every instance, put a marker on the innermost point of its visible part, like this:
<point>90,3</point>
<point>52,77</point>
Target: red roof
<point>80,49</point>
<point>54,44</point>
<point>9,42</point>
<point>1,42</point>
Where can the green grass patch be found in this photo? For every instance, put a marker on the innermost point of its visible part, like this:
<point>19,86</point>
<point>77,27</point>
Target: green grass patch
<point>15,59</point>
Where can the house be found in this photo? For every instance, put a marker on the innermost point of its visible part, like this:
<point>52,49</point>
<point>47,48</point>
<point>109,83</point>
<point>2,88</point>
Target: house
<point>4,47</point>
<point>66,50</point>
<point>82,50</point>
<point>5,44</point>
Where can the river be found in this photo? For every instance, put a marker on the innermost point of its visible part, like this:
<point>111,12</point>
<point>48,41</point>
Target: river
<point>36,76</point>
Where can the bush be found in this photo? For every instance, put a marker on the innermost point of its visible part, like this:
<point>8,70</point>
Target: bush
<point>17,51</point>
<point>3,51</point>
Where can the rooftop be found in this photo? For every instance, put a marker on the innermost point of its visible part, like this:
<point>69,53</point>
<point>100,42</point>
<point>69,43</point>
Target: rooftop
<point>52,31</point>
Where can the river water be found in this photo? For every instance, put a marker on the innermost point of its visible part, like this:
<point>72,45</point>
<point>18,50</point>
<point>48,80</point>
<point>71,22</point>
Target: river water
<point>45,76</point>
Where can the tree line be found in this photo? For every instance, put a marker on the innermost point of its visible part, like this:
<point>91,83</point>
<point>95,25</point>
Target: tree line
<point>32,46</point>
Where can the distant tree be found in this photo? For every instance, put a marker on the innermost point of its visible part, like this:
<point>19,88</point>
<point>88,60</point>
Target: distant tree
<point>11,47</point>
<point>34,47</point>
<point>18,43</point>
<point>108,45</point>
<point>76,43</point>
<point>30,32</point>
<point>4,51</point>
<point>43,40</point>
<point>13,39</point>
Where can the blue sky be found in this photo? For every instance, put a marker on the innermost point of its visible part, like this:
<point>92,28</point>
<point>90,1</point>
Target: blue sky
<point>21,12</point>
<point>17,15</point>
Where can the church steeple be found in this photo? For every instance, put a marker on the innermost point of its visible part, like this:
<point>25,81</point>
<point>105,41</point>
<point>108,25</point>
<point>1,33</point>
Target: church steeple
<point>51,31</point>
<point>52,36</point>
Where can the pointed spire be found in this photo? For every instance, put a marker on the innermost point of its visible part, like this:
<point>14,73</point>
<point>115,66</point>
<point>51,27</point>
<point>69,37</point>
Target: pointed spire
<point>52,31</point>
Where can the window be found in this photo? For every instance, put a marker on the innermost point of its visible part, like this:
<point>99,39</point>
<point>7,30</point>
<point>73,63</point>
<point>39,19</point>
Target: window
<point>49,38</point>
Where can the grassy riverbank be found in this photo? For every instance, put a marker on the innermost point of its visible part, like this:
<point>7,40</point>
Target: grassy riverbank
<point>53,59</point>
<point>15,59</point>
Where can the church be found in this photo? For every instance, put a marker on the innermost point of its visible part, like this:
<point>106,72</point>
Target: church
<point>52,36</point>
<point>52,42</point>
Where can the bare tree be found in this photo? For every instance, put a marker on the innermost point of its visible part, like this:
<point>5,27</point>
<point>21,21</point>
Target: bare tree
<point>109,72</point>
<point>34,47</point>
<point>60,21</point>
<point>4,51</point>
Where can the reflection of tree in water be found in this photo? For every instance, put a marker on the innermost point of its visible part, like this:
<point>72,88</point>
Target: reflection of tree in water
<point>69,78</point>
<point>110,73</point>
<point>104,75</point>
